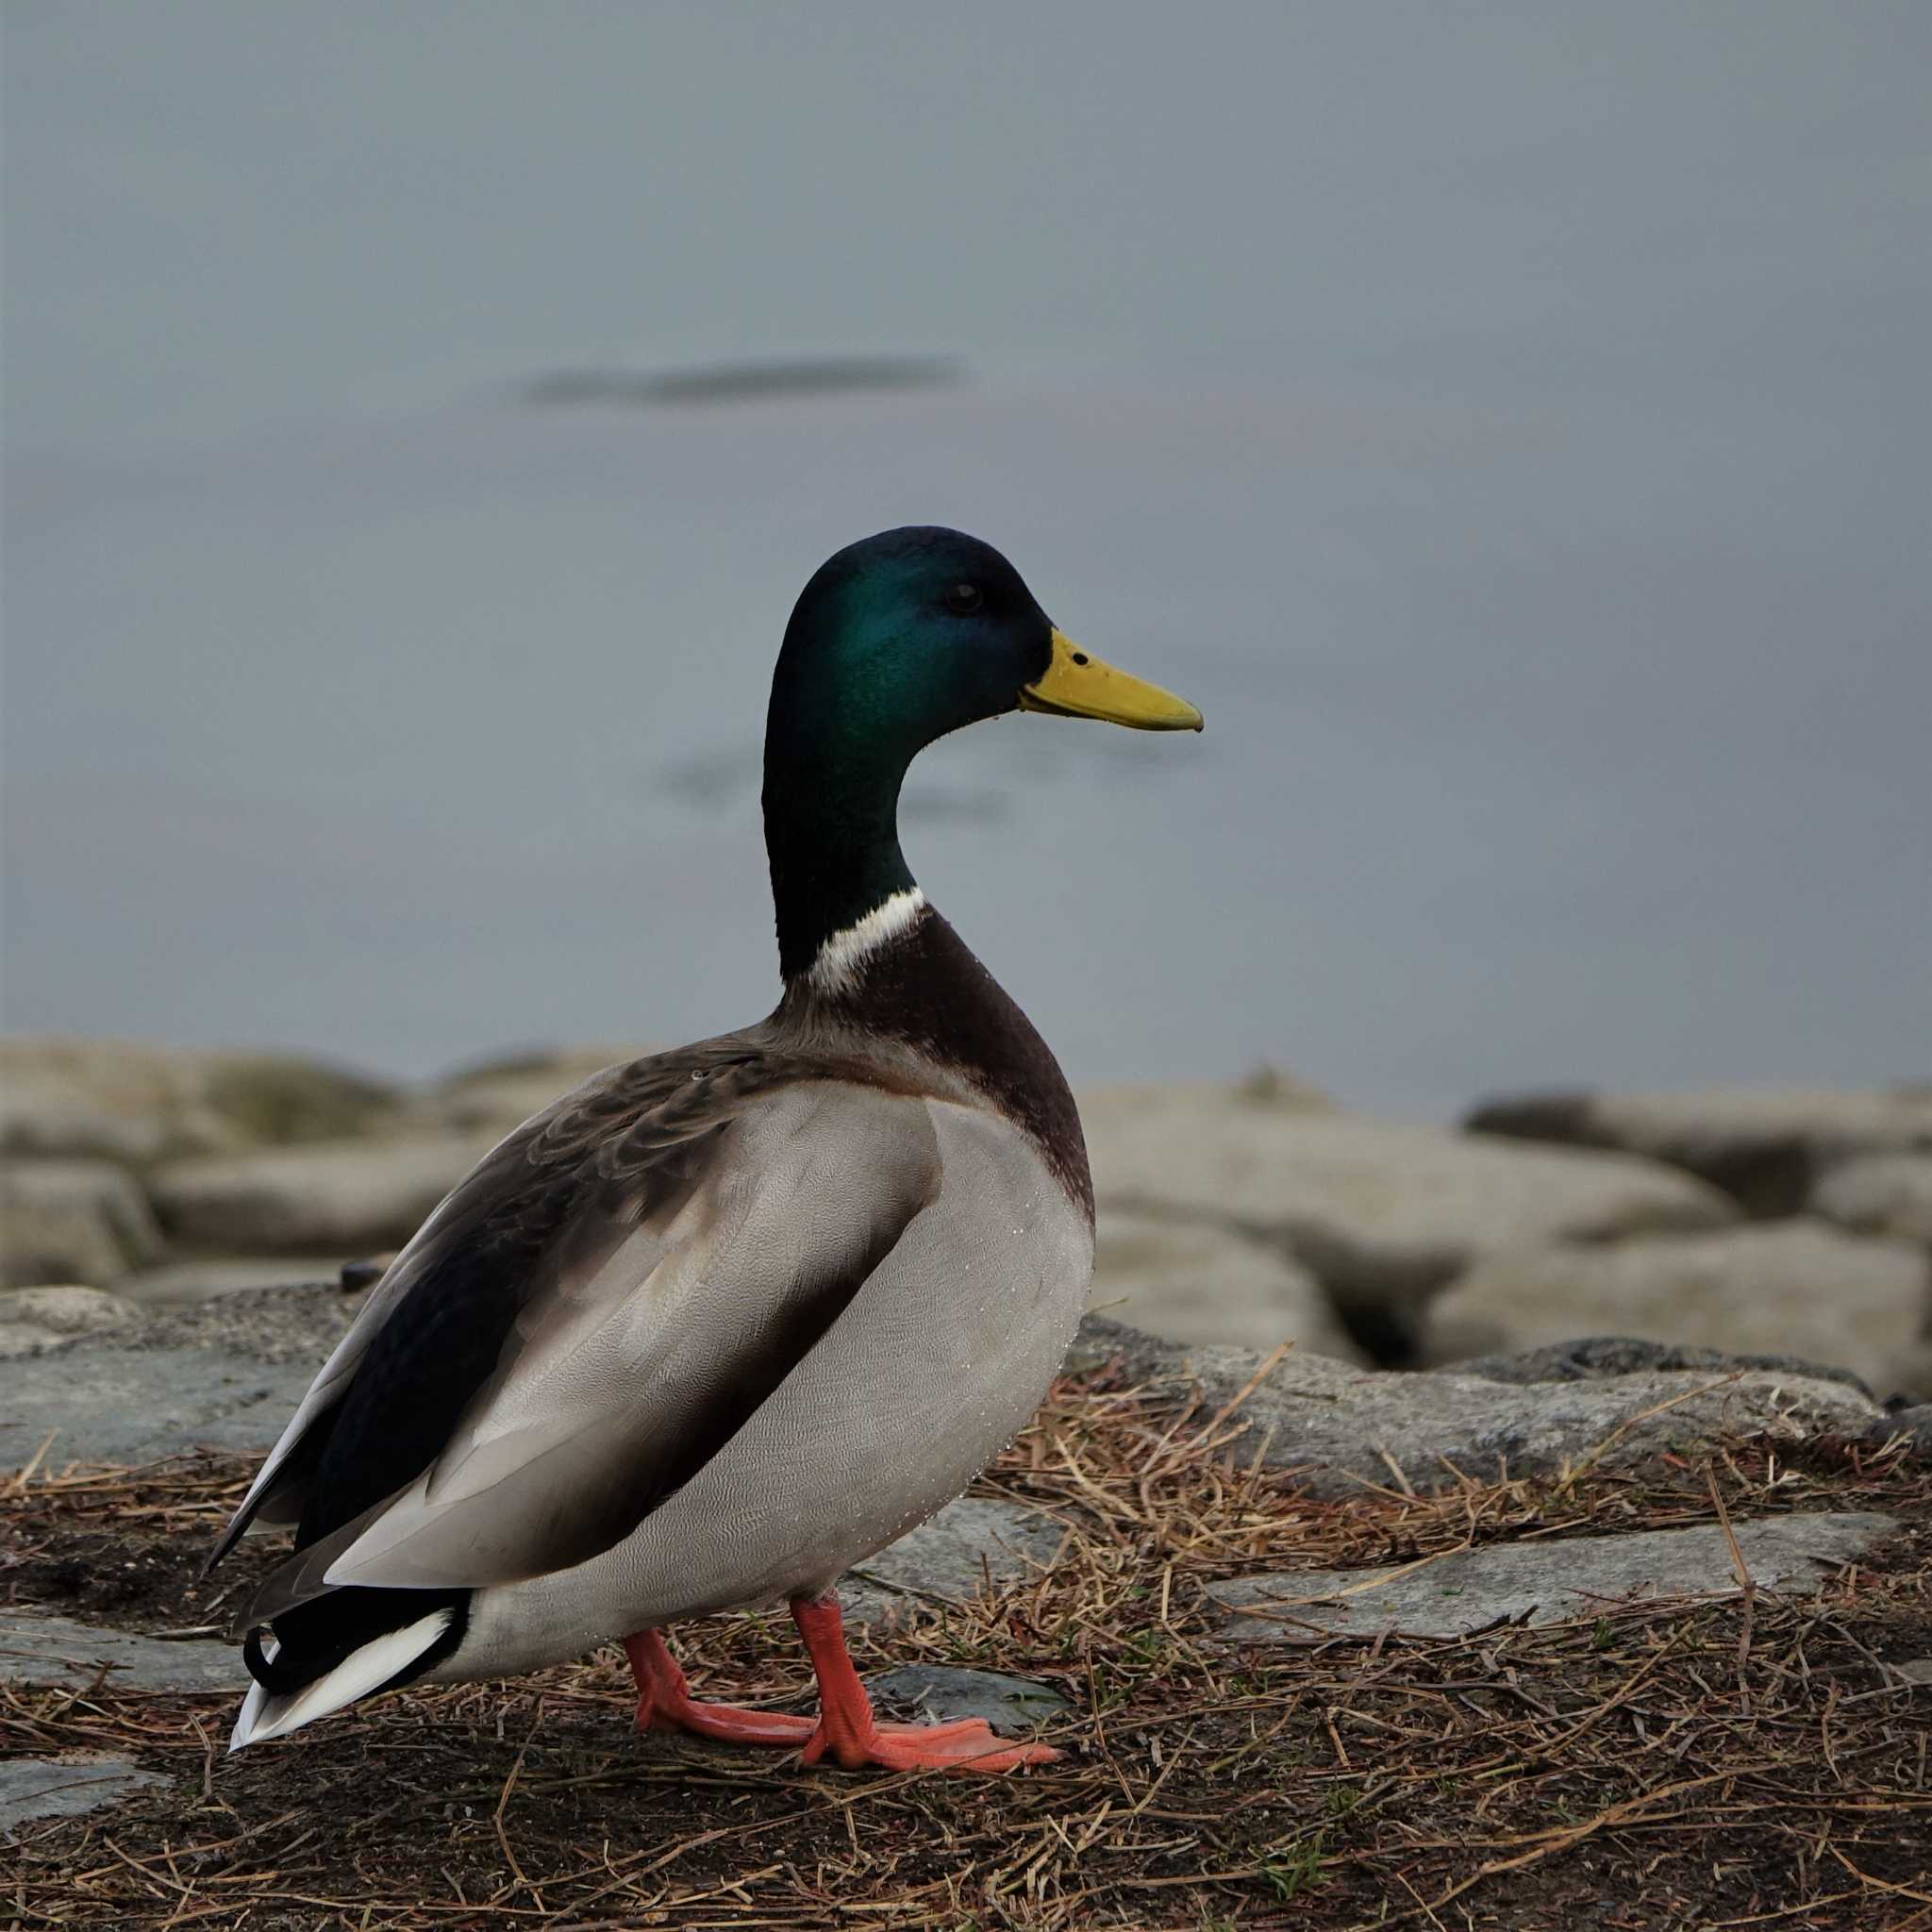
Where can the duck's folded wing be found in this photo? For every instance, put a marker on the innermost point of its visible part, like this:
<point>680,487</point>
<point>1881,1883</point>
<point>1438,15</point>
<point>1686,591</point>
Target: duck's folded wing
<point>649,1339</point>
<point>649,1125</point>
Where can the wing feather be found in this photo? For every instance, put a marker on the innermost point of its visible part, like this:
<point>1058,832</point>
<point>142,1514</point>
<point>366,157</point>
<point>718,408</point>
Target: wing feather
<point>611,1408</point>
<point>701,1251</point>
<point>627,1142</point>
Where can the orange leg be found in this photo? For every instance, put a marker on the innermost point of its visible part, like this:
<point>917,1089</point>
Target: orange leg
<point>846,1731</point>
<point>852,1736</point>
<point>665,1705</point>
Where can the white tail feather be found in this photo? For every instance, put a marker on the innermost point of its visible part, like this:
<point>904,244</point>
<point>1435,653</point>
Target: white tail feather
<point>265,1714</point>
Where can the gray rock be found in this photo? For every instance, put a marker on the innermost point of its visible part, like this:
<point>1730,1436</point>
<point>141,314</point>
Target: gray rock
<point>296,1323</point>
<point>71,1221</point>
<point>39,1648</point>
<point>1195,1280</point>
<point>230,1371</point>
<point>66,1308</point>
<point>27,1338</point>
<point>1913,1425</point>
<point>33,1318</point>
<point>1543,1582</point>
<point>1183,1110</point>
<point>1599,1358</point>
<point>1339,1428</point>
<point>132,1402</point>
<point>1795,1287</point>
<point>342,1199</point>
<point>129,1102</point>
<point>69,1787</point>
<point>1382,1214</point>
<point>952,1556</point>
<point>182,1282</point>
<point>1766,1148</point>
<point>1009,1705</point>
<point>1881,1193</point>
<point>114,1099</point>
<point>226,1373</point>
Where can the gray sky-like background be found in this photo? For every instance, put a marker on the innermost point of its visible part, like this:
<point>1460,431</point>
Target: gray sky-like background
<point>1508,423</point>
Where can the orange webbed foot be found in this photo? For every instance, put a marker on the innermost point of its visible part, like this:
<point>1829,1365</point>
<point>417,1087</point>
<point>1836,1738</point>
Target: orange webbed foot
<point>968,1744</point>
<point>851,1737</point>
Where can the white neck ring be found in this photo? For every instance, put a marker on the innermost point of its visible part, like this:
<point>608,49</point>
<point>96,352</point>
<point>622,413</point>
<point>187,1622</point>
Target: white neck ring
<point>841,960</point>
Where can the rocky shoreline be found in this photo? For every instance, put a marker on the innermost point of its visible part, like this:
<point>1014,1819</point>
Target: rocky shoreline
<point>226,1374</point>
<point>191,1395</point>
<point>1794,1224</point>
<point>179,1240</point>
<point>1368,1304</point>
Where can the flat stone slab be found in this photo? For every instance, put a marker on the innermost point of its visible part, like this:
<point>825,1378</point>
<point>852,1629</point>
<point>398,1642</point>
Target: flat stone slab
<point>1542,1582</point>
<point>178,1282</point>
<point>1383,1213</point>
<point>951,1556</point>
<point>135,1403</point>
<point>227,1374</point>
<point>1765,1147</point>
<point>1883,1194</point>
<point>1794,1288</point>
<point>135,1103</point>
<point>1602,1357</point>
<point>85,1222</point>
<point>68,1786</point>
<point>1197,1281</point>
<point>343,1198</point>
<point>1338,1430</point>
<point>37,1647</point>
<point>1007,1703</point>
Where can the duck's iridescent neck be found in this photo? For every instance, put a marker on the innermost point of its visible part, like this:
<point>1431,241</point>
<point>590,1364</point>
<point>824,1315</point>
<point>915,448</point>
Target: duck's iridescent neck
<point>835,858</point>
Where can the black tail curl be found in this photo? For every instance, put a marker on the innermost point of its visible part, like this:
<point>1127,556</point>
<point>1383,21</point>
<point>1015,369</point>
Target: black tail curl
<point>313,1638</point>
<point>276,1677</point>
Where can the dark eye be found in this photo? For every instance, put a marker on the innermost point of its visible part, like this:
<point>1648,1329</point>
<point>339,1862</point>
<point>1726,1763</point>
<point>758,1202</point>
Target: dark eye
<point>964,598</point>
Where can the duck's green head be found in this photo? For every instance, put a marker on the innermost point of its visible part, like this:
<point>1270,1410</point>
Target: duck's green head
<point>895,642</point>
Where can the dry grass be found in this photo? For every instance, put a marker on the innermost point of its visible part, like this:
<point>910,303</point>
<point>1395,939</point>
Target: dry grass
<point>1753,1761</point>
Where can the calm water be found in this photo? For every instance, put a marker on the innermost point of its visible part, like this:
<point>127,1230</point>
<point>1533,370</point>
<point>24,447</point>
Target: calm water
<point>1524,470</point>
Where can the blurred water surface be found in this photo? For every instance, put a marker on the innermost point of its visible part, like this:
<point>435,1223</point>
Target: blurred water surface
<point>1511,434</point>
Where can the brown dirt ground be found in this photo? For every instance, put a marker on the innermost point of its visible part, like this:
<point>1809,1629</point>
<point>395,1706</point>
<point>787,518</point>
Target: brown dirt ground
<point>1745,1762</point>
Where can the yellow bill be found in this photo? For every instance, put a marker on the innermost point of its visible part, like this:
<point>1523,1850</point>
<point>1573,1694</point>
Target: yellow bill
<point>1078,684</point>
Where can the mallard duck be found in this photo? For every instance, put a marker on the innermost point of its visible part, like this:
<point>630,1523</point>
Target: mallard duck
<point>722,1323</point>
